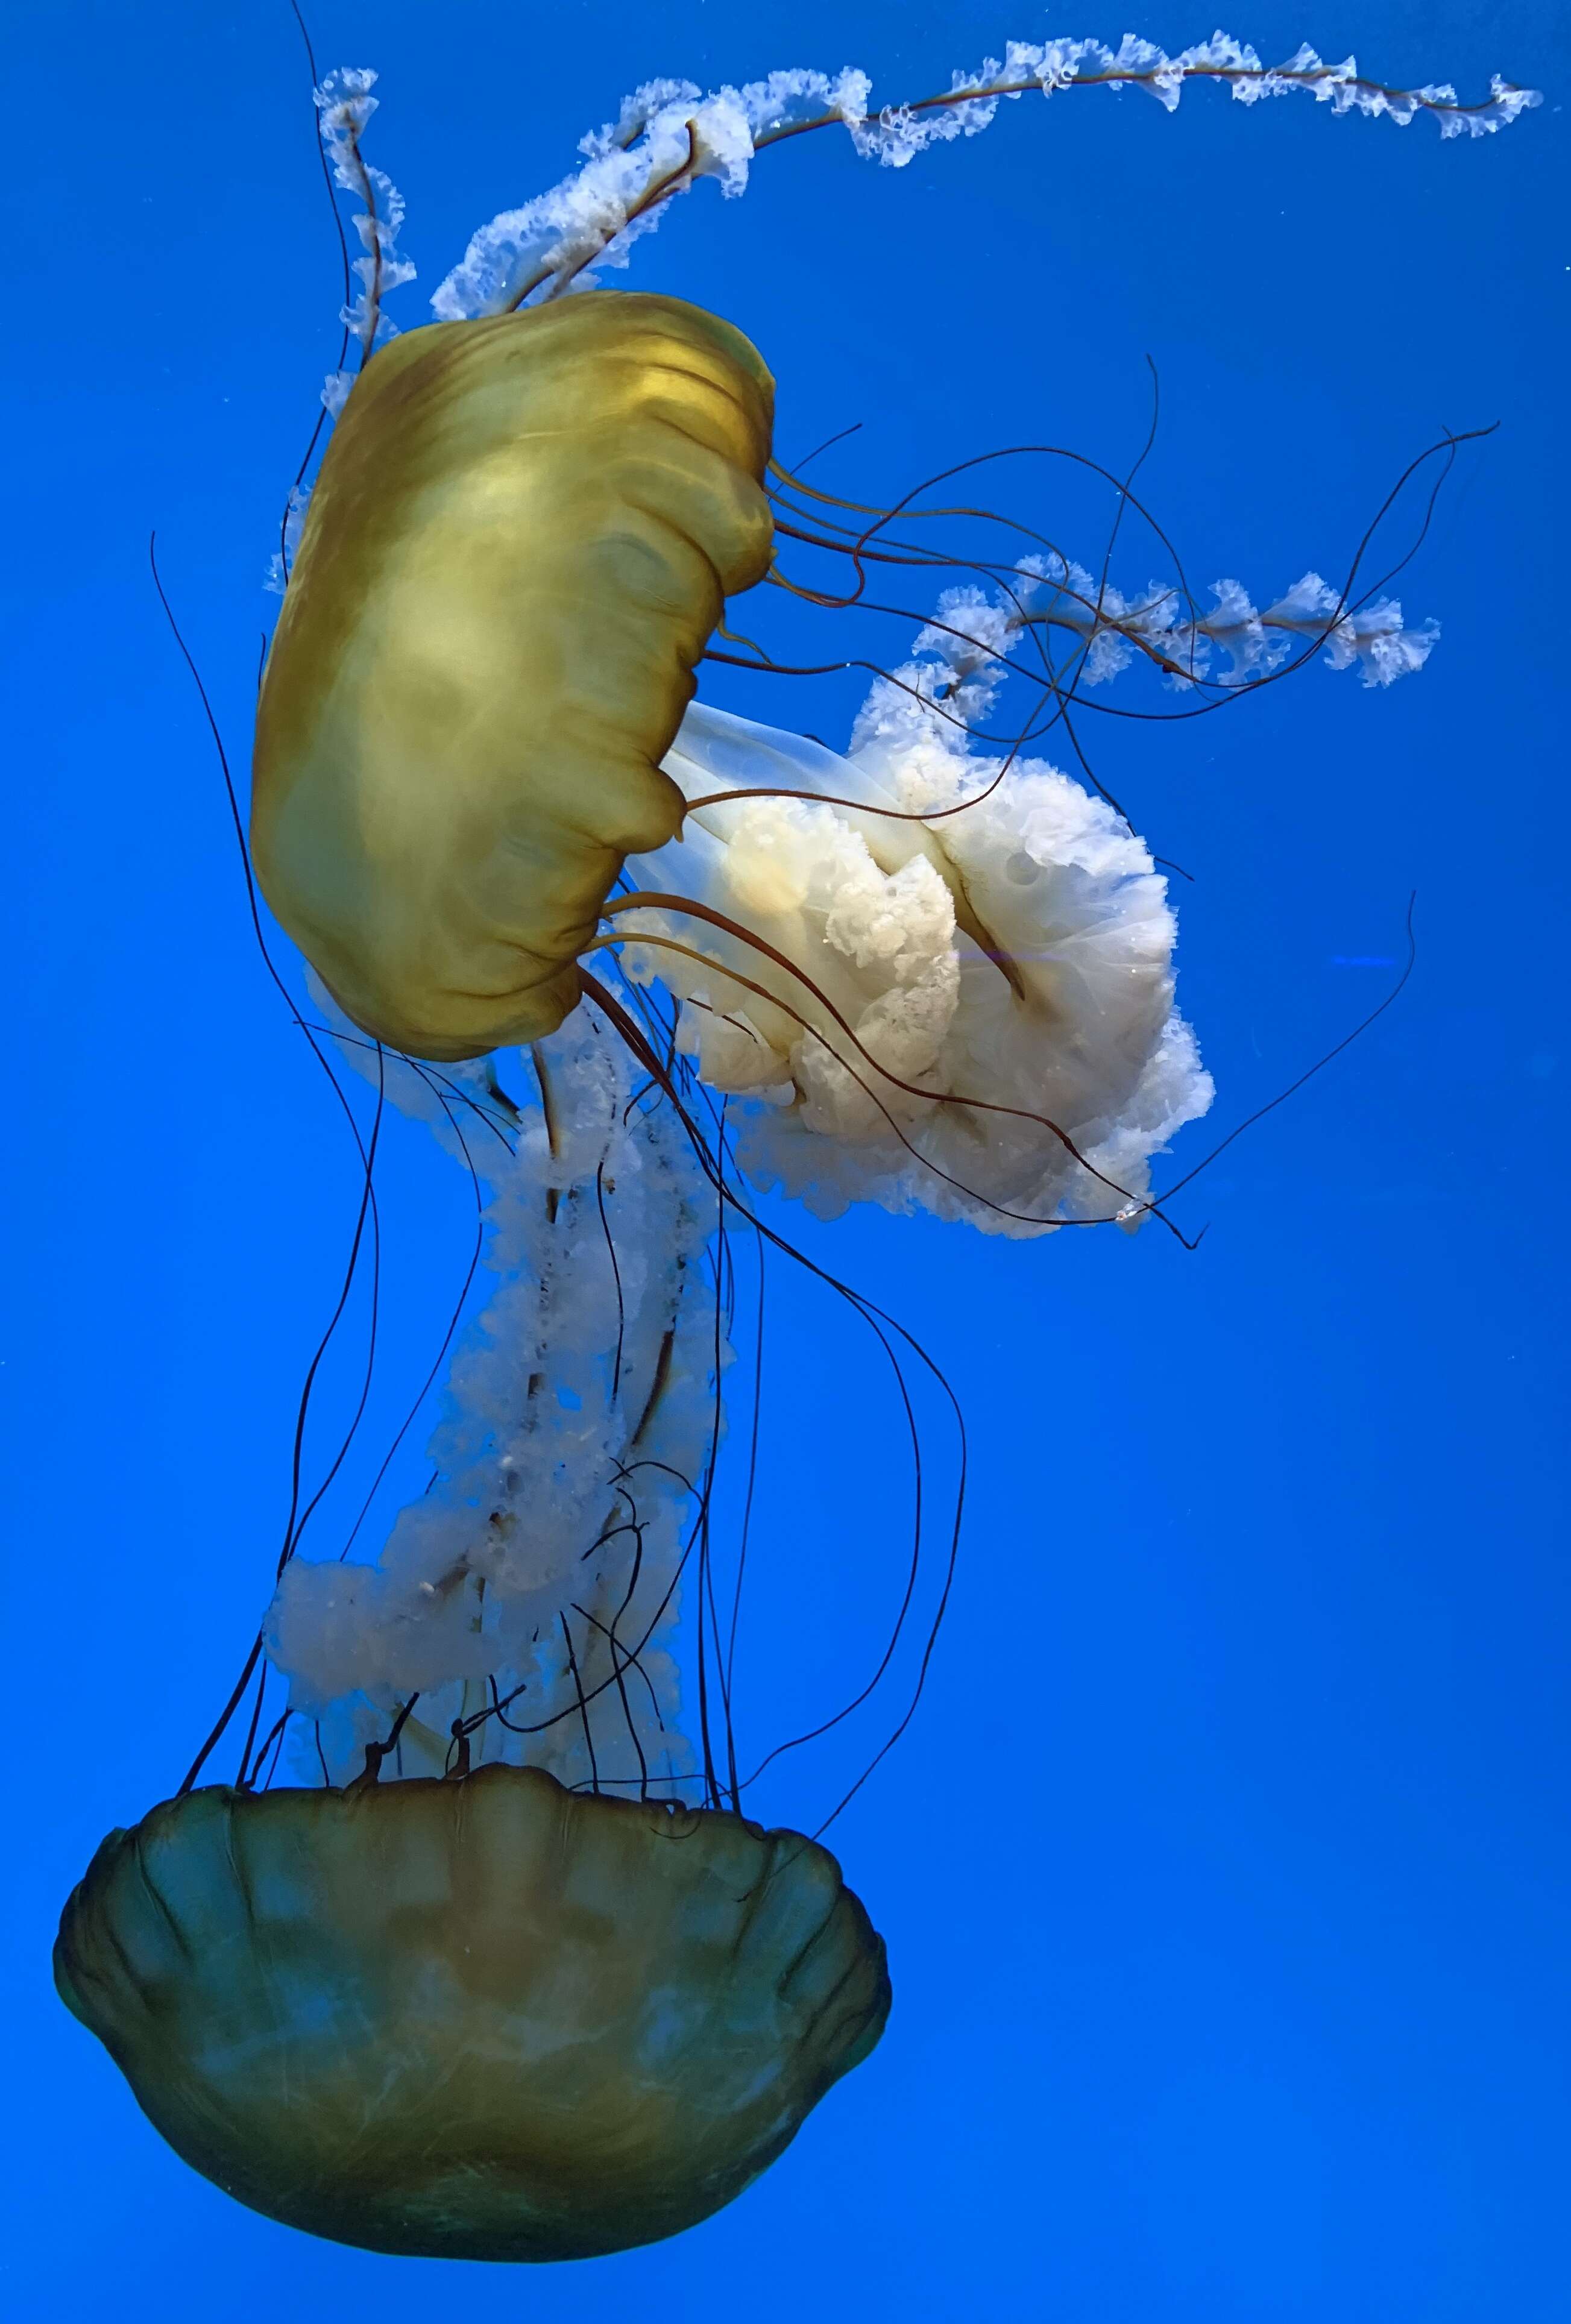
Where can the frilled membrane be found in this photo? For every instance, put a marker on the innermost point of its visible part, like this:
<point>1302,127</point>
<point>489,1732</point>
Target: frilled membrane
<point>480,2019</point>
<point>523,532</point>
<point>1016,953</point>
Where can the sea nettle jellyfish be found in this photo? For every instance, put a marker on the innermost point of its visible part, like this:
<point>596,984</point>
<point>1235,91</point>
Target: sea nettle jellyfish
<point>514,1979</point>
<point>501,1968</point>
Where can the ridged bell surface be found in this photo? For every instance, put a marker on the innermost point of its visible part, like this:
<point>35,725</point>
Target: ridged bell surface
<point>523,532</point>
<point>484,2019</point>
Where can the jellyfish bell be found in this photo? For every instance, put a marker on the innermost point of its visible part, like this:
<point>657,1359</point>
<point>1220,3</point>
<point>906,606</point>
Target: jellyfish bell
<point>481,2018</point>
<point>522,535</point>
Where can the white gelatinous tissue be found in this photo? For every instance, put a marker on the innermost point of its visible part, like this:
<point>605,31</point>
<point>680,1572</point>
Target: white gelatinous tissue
<point>344,106</point>
<point>579,1414</point>
<point>983,1024</point>
<point>1158,624</point>
<point>671,134</point>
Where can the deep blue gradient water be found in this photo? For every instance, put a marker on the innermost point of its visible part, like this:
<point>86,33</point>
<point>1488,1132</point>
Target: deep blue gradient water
<point>1223,1867</point>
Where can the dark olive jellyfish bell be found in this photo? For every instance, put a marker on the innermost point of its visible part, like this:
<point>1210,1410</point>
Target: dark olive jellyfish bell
<point>524,530</point>
<point>482,2018</point>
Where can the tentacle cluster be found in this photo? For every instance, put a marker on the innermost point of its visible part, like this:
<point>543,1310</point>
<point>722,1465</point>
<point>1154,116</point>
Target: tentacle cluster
<point>530,1595</point>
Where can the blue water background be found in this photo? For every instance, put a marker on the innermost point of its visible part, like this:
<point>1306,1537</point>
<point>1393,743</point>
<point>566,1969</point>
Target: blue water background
<point>1223,1868</point>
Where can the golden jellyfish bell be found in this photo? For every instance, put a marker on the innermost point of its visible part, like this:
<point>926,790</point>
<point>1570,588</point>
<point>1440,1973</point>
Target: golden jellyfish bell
<point>483,2018</point>
<point>524,530</point>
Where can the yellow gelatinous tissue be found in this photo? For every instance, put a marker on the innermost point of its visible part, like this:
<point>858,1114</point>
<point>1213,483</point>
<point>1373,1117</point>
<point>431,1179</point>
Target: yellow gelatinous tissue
<point>524,533</point>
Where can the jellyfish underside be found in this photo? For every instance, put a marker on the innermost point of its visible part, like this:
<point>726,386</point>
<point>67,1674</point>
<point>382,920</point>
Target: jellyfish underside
<point>483,2018</point>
